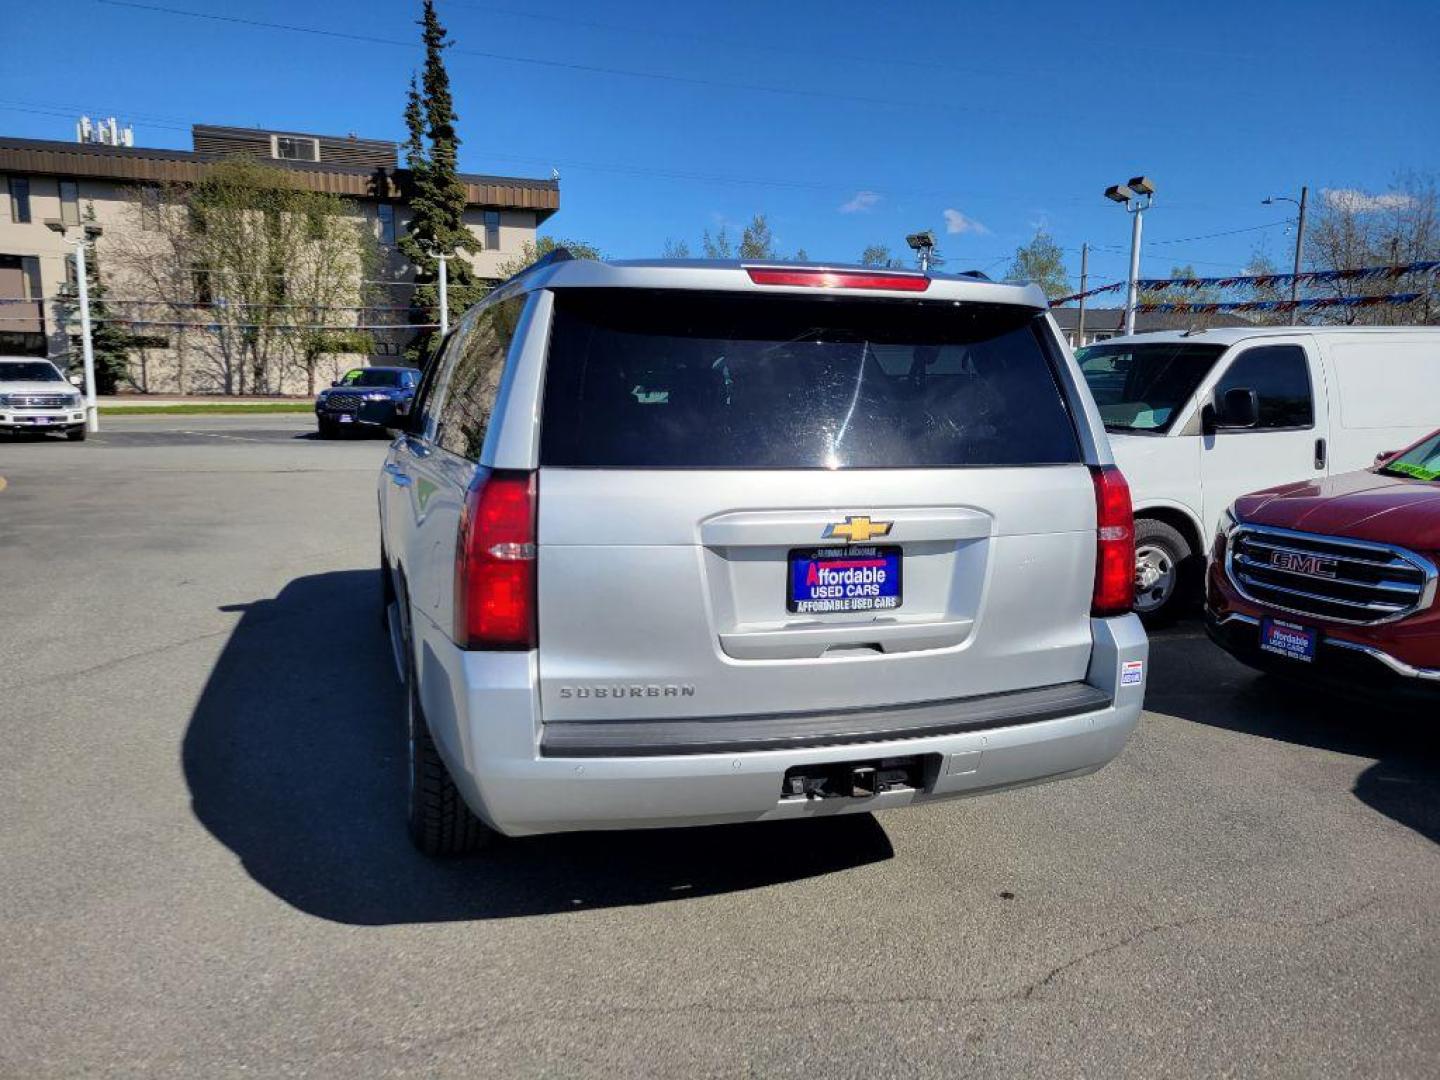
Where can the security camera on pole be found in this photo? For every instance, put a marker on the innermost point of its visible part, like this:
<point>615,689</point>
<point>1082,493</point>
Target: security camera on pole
<point>1135,196</point>
<point>923,244</point>
<point>87,234</point>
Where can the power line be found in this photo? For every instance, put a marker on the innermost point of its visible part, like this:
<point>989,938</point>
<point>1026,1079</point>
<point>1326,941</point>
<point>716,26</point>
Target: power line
<point>593,69</point>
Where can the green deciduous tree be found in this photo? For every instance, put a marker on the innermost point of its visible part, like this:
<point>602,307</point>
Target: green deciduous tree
<point>532,253</point>
<point>876,255</point>
<point>1041,261</point>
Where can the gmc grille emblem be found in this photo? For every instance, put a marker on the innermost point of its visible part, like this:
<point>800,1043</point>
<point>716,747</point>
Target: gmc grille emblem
<point>1314,565</point>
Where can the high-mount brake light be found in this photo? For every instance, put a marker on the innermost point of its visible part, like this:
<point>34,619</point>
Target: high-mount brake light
<point>495,564</point>
<point>1114,544</point>
<point>837,279</point>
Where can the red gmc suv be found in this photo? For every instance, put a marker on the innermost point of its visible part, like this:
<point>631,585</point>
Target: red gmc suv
<point>1334,580</point>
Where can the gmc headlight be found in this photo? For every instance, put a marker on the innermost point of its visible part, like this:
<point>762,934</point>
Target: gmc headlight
<point>377,397</point>
<point>1229,520</point>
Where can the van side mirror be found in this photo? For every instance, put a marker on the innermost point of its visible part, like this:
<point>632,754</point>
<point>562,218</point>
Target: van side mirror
<point>1384,456</point>
<point>334,382</point>
<point>1239,408</point>
<point>76,380</point>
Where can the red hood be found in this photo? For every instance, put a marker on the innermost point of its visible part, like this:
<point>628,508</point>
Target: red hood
<point>1360,505</point>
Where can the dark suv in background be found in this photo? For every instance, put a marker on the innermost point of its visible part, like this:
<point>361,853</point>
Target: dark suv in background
<point>365,397</point>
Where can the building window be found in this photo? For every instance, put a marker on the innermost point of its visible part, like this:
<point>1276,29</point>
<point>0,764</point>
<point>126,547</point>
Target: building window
<point>30,265</point>
<point>294,148</point>
<point>492,230</point>
<point>204,295</point>
<point>386,214</point>
<point>20,199</point>
<point>69,202</point>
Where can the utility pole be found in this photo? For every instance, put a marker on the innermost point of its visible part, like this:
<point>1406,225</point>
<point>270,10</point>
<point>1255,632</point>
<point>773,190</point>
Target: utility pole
<point>1084,273</point>
<point>1299,234</point>
<point>444,296</point>
<point>1299,244</point>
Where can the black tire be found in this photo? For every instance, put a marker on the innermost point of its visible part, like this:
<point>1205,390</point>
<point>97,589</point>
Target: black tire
<point>1163,555</point>
<point>76,434</point>
<point>326,429</point>
<point>440,823</point>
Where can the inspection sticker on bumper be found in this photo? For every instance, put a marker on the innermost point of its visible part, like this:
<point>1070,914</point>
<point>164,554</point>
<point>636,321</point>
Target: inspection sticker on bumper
<point>1132,672</point>
<point>844,579</point>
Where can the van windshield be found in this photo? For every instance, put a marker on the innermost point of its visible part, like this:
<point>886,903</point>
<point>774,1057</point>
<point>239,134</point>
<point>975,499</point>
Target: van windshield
<point>1144,387</point>
<point>1421,462</point>
<point>681,379</point>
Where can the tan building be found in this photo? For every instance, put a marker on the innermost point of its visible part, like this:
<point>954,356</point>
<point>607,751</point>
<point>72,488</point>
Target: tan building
<point>41,179</point>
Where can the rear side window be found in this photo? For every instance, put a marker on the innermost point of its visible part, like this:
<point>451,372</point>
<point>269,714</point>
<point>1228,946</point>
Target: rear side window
<point>1280,377</point>
<point>672,379</point>
<point>476,360</point>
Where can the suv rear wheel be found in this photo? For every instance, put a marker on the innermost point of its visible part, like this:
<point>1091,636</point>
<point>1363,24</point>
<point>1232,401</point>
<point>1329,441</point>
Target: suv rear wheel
<point>440,823</point>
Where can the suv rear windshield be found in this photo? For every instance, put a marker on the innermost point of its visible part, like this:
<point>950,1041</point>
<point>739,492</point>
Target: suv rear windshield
<point>683,379</point>
<point>1142,388</point>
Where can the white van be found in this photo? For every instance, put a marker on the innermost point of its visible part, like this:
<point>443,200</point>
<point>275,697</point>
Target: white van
<point>1197,418</point>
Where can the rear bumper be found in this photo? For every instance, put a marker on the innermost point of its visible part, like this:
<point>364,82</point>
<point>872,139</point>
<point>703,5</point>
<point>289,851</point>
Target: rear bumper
<point>495,747</point>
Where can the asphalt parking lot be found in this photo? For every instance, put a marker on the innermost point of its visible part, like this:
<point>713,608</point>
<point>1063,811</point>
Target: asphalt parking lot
<point>204,870</point>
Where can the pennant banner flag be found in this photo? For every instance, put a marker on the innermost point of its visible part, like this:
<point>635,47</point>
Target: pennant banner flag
<point>1264,281</point>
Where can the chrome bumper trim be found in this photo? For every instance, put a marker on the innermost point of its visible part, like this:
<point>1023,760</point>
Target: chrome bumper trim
<point>1400,667</point>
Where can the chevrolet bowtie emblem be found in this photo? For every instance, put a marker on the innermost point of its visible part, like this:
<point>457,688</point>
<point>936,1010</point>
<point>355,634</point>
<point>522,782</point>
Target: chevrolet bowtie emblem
<point>856,529</point>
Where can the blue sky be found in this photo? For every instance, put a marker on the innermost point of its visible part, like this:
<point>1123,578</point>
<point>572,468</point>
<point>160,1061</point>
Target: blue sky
<point>847,123</point>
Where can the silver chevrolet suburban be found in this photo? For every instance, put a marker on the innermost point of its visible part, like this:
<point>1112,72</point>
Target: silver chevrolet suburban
<point>677,543</point>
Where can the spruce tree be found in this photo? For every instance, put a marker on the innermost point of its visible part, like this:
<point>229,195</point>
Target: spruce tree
<point>437,194</point>
<point>109,340</point>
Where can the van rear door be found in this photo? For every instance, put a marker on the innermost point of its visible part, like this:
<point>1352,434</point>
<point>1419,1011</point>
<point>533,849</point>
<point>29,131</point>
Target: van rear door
<point>758,503</point>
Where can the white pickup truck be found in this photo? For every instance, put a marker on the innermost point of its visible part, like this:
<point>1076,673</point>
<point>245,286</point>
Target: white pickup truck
<point>34,396</point>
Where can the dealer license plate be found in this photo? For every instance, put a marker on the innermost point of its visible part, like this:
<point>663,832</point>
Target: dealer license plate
<point>1288,639</point>
<point>346,418</point>
<point>844,579</point>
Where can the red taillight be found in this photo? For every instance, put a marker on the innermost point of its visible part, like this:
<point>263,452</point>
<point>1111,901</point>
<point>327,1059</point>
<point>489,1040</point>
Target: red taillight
<point>837,279</point>
<point>495,564</point>
<point>1114,544</point>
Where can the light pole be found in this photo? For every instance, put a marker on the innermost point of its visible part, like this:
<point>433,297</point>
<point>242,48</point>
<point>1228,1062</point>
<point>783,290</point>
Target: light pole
<point>444,283</point>
<point>1135,196</point>
<point>1299,234</point>
<point>82,285</point>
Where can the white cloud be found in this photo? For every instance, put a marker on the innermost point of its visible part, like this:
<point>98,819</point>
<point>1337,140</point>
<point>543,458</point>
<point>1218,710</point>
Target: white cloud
<point>956,223</point>
<point>1362,202</point>
<point>862,200</point>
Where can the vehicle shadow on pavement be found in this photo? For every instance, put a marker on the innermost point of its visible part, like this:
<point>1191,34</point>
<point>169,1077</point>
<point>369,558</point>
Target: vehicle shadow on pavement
<point>295,760</point>
<point>1196,681</point>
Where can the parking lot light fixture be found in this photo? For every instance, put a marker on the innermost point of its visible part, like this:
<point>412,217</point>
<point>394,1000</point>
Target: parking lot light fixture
<point>1135,195</point>
<point>82,285</point>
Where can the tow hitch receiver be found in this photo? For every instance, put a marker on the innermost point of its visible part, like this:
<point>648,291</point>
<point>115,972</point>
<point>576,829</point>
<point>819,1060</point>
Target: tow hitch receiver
<point>859,779</point>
